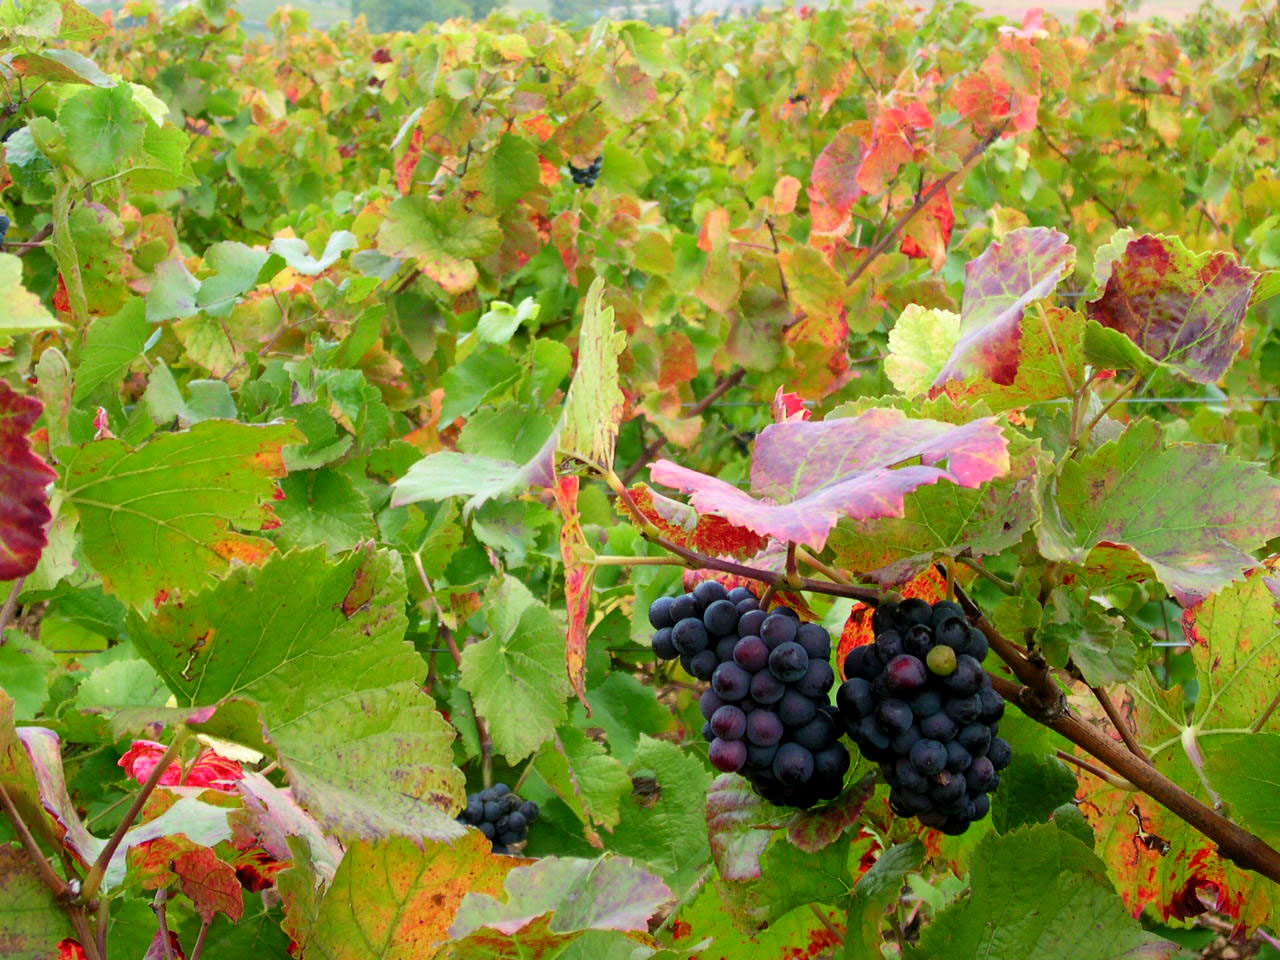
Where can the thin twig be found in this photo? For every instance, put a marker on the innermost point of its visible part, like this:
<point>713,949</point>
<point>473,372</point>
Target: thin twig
<point>93,881</point>
<point>482,728</point>
<point>1266,714</point>
<point>1004,585</point>
<point>10,604</point>
<point>721,388</point>
<point>826,922</point>
<point>162,920</point>
<point>882,244</point>
<point>1118,782</point>
<point>55,883</point>
<point>204,932</point>
<point>1117,721</point>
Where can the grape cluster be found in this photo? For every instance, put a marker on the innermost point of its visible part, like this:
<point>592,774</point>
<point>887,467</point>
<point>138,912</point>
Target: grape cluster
<point>500,815</point>
<point>586,176</point>
<point>767,709</point>
<point>918,702</point>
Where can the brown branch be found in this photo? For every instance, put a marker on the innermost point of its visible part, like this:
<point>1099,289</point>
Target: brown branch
<point>922,201</point>
<point>42,234</point>
<point>61,889</point>
<point>1117,782</point>
<point>1117,721</point>
<point>1234,842</point>
<point>1266,714</point>
<point>10,604</point>
<point>721,388</point>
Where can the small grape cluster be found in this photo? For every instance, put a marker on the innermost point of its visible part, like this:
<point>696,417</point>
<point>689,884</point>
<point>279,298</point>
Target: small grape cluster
<point>586,176</point>
<point>918,702</point>
<point>500,815</point>
<point>768,707</point>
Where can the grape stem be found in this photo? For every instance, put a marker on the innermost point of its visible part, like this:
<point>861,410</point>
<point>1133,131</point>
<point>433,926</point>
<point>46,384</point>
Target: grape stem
<point>1118,721</point>
<point>1097,771</point>
<point>1002,584</point>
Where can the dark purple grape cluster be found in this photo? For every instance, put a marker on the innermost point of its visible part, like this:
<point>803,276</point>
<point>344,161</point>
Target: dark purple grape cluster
<point>500,815</point>
<point>768,708</point>
<point>918,703</point>
<point>586,176</point>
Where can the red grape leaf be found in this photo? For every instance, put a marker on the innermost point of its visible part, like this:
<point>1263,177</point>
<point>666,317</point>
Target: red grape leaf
<point>811,830</point>
<point>832,187</point>
<point>1181,308</point>
<point>579,574</point>
<point>893,143</point>
<point>1004,90</point>
<point>999,286</point>
<point>23,480</point>
<point>926,235</point>
<point>210,883</point>
<point>809,475</point>
<point>684,526</point>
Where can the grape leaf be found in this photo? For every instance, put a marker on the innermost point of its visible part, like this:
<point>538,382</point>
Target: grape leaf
<point>657,822</point>
<point>112,344</point>
<point>394,898</point>
<point>1071,910</point>
<point>1036,782</point>
<point>999,286</point>
<point>1075,627</point>
<point>32,922</point>
<point>799,935</point>
<point>160,518</point>
<point>210,883</point>
<point>516,675</point>
<point>683,525</point>
<point>24,476</point>
<point>579,575</point>
<point>927,235</point>
<point>1236,652</point>
<point>892,144</point>
<point>1180,308</point>
<point>585,777</point>
<point>833,190</point>
<point>945,519</point>
<point>809,475</point>
<point>790,878</point>
<point>1189,511</point>
<point>21,311</point>
<point>734,813</point>
<point>593,408</point>
<point>818,827</point>
<point>441,237</point>
<point>480,479</point>
<point>104,129</point>
<point>319,646</point>
<point>610,893</point>
<point>875,893</point>
<point>1244,770</point>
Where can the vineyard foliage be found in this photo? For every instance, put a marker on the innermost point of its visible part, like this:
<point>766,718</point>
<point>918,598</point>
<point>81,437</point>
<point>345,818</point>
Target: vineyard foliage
<point>348,435</point>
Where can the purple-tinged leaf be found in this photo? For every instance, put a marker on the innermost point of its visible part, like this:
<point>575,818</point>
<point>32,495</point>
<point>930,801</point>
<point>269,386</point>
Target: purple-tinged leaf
<point>811,830</point>
<point>999,286</point>
<point>1183,309</point>
<point>43,750</point>
<point>809,475</point>
<point>1188,510</point>
<point>24,478</point>
<point>734,815</point>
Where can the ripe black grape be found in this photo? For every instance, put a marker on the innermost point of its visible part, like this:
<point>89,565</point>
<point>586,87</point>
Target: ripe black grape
<point>689,636</point>
<point>767,709</point>
<point>720,617</point>
<point>500,815</point>
<point>788,661</point>
<point>917,702</point>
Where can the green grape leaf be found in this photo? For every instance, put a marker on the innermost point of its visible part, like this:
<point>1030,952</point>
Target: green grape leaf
<point>572,894</point>
<point>945,519</point>
<point>479,479</point>
<point>1189,511</point>
<point>441,237</point>
<point>1036,782</point>
<point>1070,911</point>
<point>593,408</point>
<point>585,777</point>
<point>159,519</point>
<point>1111,350</point>
<point>1244,770</point>
<point>323,507</point>
<point>104,129</point>
<point>97,234</point>
<point>173,292</point>
<point>295,252</point>
<point>319,646</point>
<point>236,268</point>
<point>1074,627</point>
<point>790,878</point>
<point>32,922</point>
<point>516,675</point>
<point>21,311</point>
<point>395,898</point>
<point>877,890</point>
<point>113,343</point>
<point>657,824</point>
<point>506,173</point>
